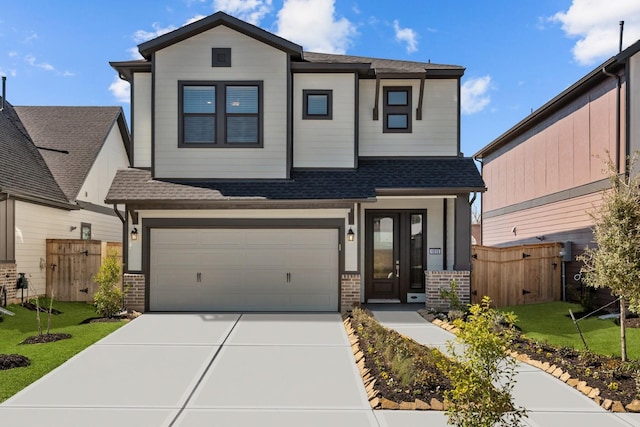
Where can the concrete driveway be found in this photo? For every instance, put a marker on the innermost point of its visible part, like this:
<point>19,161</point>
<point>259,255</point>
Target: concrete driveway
<point>252,369</point>
<point>204,369</point>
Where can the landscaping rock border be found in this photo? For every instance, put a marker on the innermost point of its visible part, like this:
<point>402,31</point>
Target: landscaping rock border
<point>375,399</point>
<point>581,386</point>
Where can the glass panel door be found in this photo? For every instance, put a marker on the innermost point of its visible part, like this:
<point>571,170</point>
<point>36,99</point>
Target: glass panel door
<point>416,254</point>
<point>383,259</point>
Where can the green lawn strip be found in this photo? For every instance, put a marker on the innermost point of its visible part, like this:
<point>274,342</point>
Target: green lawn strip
<point>549,322</point>
<point>45,357</point>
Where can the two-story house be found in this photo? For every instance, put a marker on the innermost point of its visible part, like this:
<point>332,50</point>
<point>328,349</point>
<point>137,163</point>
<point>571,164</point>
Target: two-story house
<point>546,173</point>
<point>269,178</point>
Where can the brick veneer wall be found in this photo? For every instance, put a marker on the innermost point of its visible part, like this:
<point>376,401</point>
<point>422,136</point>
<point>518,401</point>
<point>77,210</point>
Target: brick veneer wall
<point>436,280</point>
<point>8,278</point>
<point>349,291</point>
<point>134,292</point>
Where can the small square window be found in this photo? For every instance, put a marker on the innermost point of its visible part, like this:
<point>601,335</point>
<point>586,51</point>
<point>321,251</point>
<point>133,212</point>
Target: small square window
<point>317,104</point>
<point>85,231</point>
<point>221,57</point>
<point>397,121</point>
<point>397,97</point>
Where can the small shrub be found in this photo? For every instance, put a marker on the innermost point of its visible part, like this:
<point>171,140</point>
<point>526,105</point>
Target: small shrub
<point>483,376</point>
<point>451,295</point>
<point>108,298</point>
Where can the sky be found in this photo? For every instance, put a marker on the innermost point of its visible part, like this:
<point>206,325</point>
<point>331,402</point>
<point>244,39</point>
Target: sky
<point>518,54</point>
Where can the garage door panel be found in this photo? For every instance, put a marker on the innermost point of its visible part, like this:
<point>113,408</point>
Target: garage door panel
<point>244,269</point>
<point>266,257</point>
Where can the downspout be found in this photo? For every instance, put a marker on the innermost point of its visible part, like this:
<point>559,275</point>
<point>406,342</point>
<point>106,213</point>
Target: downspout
<point>124,241</point>
<point>618,89</point>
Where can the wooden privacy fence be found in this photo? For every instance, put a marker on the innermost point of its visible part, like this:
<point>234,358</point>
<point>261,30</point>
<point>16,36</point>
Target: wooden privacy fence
<point>517,275</point>
<point>71,265</point>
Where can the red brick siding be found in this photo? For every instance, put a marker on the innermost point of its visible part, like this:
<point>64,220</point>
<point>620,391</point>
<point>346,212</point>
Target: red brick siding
<point>349,291</point>
<point>134,292</point>
<point>436,280</point>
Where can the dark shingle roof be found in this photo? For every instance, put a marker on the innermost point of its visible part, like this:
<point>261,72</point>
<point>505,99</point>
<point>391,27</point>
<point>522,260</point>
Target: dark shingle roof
<point>379,64</point>
<point>23,171</point>
<point>78,131</point>
<point>436,175</point>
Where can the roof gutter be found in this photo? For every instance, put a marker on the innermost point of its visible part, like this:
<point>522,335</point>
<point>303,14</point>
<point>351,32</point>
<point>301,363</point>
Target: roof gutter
<point>43,201</point>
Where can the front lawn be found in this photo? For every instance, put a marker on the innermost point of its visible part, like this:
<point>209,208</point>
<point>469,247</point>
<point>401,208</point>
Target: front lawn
<point>47,356</point>
<point>550,322</point>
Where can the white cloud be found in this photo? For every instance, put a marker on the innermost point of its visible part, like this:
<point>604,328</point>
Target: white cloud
<point>596,25</point>
<point>13,54</point>
<point>120,90</point>
<point>31,37</point>
<point>313,24</point>
<point>141,36</point>
<point>194,19</point>
<point>31,60</point>
<point>474,94</point>
<point>251,11</point>
<point>9,72</point>
<point>406,35</point>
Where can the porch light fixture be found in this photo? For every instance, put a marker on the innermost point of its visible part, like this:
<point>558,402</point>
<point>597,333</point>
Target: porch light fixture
<point>134,234</point>
<point>351,235</point>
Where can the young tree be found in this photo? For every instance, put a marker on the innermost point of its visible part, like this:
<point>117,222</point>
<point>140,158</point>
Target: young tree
<point>615,262</point>
<point>483,375</point>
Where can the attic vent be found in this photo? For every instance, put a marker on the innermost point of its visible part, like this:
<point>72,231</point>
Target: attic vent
<point>221,57</point>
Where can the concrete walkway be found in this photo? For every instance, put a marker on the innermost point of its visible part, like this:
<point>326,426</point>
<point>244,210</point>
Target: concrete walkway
<point>550,402</point>
<point>251,369</point>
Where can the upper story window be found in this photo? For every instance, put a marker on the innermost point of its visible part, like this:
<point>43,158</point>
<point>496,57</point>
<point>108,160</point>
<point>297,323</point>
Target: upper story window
<point>220,114</point>
<point>397,109</point>
<point>317,104</point>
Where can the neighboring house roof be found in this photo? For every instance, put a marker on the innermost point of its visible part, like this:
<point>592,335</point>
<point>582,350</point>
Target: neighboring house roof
<point>372,177</point>
<point>23,171</point>
<point>70,139</point>
<point>586,83</point>
<point>219,18</point>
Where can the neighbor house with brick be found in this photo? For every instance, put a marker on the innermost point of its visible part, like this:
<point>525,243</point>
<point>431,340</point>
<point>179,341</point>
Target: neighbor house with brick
<point>56,165</point>
<point>546,173</point>
<point>269,178</point>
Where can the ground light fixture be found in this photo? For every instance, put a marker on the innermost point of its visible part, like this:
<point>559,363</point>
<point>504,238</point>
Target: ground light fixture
<point>134,234</point>
<point>351,235</point>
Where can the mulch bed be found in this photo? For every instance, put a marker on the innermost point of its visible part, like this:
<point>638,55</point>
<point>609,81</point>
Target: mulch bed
<point>429,384</point>
<point>615,380</point>
<point>10,361</point>
<point>45,338</point>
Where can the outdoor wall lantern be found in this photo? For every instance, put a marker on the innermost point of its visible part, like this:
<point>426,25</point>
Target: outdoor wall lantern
<point>134,234</point>
<point>351,235</point>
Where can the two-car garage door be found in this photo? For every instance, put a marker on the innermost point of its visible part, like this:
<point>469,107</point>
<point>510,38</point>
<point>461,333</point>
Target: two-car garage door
<point>243,270</point>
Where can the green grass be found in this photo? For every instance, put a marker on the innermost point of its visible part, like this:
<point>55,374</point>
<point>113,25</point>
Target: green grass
<point>46,357</point>
<point>549,322</point>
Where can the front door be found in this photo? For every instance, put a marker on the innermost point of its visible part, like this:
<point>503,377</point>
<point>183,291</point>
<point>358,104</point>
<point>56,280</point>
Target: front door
<point>395,258</point>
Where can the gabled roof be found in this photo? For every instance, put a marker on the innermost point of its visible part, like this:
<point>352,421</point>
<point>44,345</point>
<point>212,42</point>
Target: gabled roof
<point>301,61</point>
<point>373,176</point>
<point>219,18</point>
<point>23,171</point>
<point>70,138</point>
